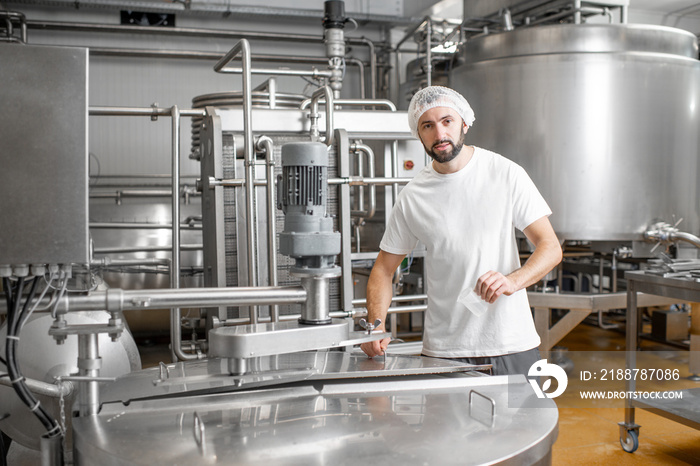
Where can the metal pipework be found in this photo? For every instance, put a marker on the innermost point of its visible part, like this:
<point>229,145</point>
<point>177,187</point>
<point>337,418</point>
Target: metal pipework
<point>366,181</point>
<point>316,309</point>
<point>197,32</point>
<point>117,299</point>
<point>174,113</point>
<point>141,226</point>
<point>665,233</point>
<point>212,182</point>
<point>334,20</point>
<point>313,114</point>
<point>369,153</point>
<point>143,111</point>
<point>89,364</point>
<point>313,73</point>
<point>60,389</point>
<point>357,102</point>
<point>9,17</point>
<point>242,48</point>
<point>120,250</point>
<point>265,143</point>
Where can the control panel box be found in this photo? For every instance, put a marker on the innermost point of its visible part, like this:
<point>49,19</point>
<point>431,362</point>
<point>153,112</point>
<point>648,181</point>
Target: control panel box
<point>43,155</point>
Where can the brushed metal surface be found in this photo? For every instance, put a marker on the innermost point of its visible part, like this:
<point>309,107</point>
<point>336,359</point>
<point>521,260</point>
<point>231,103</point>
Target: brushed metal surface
<point>255,340</point>
<point>43,154</point>
<point>603,118</point>
<point>427,420</point>
<point>212,375</point>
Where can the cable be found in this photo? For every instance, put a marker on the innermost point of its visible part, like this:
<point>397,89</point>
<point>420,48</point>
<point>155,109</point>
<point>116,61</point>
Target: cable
<point>24,320</point>
<point>60,295</point>
<point>14,320</point>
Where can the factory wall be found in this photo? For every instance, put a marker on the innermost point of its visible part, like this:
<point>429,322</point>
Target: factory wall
<point>138,146</point>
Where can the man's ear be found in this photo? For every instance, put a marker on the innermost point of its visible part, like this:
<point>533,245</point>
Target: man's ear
<point>465,128</point>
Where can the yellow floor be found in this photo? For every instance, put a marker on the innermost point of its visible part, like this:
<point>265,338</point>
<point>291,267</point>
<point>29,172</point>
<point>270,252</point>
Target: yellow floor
<point>590,436</point>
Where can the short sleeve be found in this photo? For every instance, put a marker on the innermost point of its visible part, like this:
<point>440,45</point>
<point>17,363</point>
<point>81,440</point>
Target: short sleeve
<point>528,203</point>
<point>398,238</point>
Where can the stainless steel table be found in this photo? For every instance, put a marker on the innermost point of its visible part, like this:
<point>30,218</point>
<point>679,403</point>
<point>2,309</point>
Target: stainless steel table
<point>688,412</point>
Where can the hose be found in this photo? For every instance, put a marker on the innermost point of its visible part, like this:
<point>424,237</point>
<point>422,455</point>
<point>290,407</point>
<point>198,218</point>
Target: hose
<point>14,326</point>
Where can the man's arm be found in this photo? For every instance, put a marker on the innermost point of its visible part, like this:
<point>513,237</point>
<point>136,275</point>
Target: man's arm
<point>546,256</point>
<point>379,294</point>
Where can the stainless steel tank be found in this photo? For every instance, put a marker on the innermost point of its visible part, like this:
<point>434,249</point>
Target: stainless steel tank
<point>341,409</point>
<point>604,118</point>
<point>41,359</point>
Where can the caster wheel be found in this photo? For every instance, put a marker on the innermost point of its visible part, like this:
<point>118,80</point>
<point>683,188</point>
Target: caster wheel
<point>631,442</point>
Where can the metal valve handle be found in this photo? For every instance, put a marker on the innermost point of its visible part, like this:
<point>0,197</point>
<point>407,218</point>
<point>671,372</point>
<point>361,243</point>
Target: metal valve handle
<point>369,327</point>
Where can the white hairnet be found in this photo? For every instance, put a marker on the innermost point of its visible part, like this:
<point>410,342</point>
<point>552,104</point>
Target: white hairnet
<point>437,96</point>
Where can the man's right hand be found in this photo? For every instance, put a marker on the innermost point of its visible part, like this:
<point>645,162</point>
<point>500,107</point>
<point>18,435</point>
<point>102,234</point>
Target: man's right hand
<point>376,347</point>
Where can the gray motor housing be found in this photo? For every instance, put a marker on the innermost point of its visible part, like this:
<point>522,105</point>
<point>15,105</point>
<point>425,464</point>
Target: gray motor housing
<point>302,192</point>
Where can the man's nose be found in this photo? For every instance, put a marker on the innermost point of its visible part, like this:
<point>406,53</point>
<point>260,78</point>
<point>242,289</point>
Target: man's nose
<point>440,132</point>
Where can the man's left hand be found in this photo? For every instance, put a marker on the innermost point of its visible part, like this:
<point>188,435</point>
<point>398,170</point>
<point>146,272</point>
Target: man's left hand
<point>491,285</point>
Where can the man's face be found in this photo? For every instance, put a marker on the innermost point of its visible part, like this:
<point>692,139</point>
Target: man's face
<point>442,131</point>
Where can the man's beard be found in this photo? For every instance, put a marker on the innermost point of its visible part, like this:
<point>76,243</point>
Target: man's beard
<point>446,156</point>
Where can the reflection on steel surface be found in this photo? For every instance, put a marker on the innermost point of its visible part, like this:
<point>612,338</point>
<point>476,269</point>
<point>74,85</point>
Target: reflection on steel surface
<point>212,375</point>
<point>408,419</point>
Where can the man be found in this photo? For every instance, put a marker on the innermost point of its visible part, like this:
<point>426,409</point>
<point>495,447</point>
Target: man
<point>464,207</point>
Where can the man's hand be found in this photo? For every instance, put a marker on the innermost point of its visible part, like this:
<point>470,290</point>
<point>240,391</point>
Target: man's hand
<point>491,285</point>
<point>376,347</point>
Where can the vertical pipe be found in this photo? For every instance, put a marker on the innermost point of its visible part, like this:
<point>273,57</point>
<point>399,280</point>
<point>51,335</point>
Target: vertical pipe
<point>265,143</point>
<point>428,52</point>
<point>249,152</point>
<point>357,147</point>
<point>89,365</point>
<point>372,68</point>
<point>316,308</point>
<point>272,91</point>
<point>577,9</point>
<point>361,173</point>
<point>51,450</point>
<point>175,331</point>
<point>395,169</point>
<point>314,116</point>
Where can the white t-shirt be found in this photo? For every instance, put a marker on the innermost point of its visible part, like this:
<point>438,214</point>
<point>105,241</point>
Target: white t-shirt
<point>466,220</point>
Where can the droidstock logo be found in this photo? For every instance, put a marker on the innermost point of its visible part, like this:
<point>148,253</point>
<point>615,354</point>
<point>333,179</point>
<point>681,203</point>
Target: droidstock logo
<point>543,369</point>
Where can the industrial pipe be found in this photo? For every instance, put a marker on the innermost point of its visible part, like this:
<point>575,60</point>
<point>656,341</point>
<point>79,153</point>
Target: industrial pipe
<point>242,48</point>
<point>364,181</point>
<point>175,331</point>
<point>369,153</point>
<point>313,115</point>
<point>174,113</point>
<point>125,249</point>
<point>663,232</point>
<point>107,262</point>
<point>143,111</point>
<point>356,102</point>
<point>118,300</point>
<point>354,313</point>
<point>197,32</point>
<point>265,143</point>
<point>9,16</point>
<point>60,389</point>
<point>140,226</point>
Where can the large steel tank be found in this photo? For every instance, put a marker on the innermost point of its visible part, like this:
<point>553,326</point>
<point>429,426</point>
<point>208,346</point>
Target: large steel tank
<point>603,117</point>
